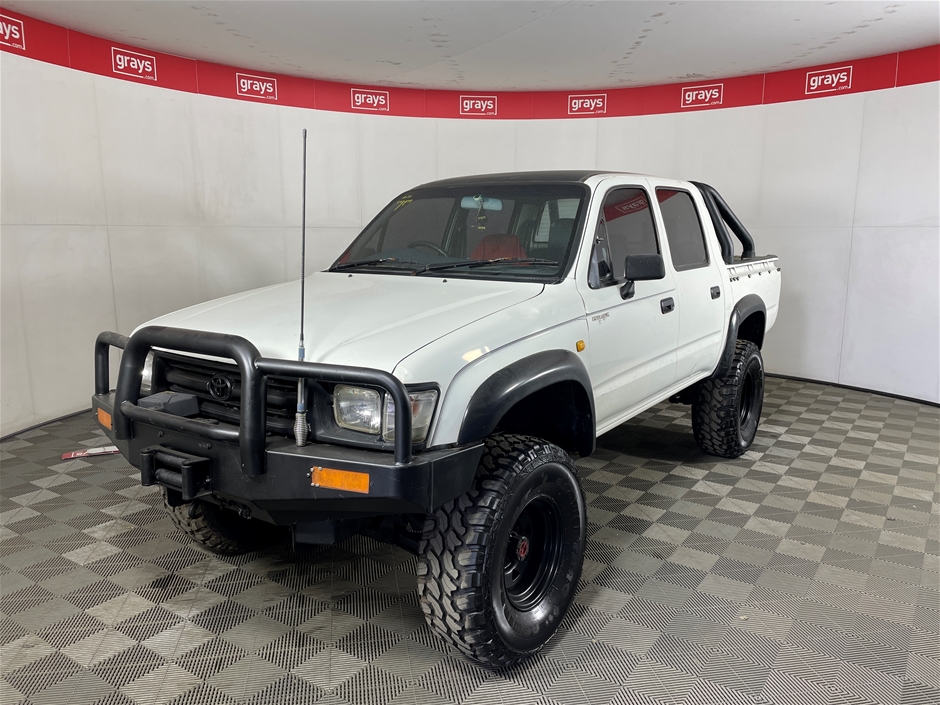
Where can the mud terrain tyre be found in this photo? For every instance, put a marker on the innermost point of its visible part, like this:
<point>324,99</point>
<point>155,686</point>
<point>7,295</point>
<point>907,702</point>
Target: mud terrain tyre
<point>499,565</point>
<point>726,410</point>
<point>221,530</point>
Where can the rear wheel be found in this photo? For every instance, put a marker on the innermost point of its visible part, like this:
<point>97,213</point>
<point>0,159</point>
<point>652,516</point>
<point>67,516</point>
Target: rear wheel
<point>221,530</point>
<point>726,410</point>
<point>499,565</point>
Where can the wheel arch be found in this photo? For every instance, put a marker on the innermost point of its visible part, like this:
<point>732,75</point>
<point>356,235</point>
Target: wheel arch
<point>547,394</point>
<point>748,322</point>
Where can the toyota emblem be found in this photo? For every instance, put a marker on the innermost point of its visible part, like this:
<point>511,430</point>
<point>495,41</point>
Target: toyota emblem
<point>220,387</point>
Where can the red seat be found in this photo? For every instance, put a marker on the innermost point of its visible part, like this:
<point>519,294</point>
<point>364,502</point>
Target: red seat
<point>499,246</point>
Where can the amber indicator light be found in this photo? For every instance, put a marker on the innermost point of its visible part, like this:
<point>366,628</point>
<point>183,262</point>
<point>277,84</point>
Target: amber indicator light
<point>340,479</point>
<point>104,418</point>
<point>580,346</point>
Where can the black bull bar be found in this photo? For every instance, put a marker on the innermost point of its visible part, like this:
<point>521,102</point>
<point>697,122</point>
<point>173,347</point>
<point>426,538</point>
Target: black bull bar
<point>254,369</point>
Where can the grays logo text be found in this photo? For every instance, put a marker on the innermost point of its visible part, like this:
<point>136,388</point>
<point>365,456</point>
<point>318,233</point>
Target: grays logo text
<point>12,33</point>
<point>698,96</point>
<point>369,100</point>
<point>130,63</point>
<point>478,105</point>
<point>595,104</point>
<point>256,86</point>
<point>839,79</point>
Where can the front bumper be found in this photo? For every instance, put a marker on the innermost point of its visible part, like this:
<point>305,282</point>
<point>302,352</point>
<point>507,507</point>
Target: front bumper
<point>264,476</point>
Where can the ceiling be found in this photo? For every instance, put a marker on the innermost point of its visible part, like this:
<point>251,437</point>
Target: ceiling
<point>506,45</point>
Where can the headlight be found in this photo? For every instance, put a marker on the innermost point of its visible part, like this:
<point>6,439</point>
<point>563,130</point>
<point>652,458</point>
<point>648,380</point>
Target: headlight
<point>357,409</point>
<point>146,379</point>
<point>422,408</point>
<point>360,409</point>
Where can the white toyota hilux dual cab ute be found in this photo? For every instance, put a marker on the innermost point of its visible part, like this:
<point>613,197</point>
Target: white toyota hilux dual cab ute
<point>475,336</point>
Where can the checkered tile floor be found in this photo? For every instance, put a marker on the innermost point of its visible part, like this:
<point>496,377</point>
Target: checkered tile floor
<point>804,572</point>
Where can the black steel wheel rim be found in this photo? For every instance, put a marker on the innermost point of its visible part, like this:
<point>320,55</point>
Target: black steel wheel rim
<point>748,397</point>
<point>533,553</point>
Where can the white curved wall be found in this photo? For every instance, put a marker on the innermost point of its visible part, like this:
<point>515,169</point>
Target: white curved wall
<point>120,202</point>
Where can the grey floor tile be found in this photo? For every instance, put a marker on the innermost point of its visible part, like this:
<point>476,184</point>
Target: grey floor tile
<point>805,571</point>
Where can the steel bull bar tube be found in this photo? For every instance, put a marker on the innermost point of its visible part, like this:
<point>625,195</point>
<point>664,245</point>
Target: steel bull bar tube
<point>354,375</point>
<point>251,429</point>
<point>254,371</point>
<point>103,345</point>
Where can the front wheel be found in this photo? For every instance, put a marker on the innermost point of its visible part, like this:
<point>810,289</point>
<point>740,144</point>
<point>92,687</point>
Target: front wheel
<point>726,410</point>
<point>499,565</point>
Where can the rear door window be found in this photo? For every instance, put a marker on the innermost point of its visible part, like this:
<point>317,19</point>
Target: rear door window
<point>683,229</point>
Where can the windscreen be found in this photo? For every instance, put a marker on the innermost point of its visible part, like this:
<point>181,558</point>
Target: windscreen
<point>505,231</point>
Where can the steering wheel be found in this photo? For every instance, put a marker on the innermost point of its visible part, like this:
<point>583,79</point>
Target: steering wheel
<point>430,245</point>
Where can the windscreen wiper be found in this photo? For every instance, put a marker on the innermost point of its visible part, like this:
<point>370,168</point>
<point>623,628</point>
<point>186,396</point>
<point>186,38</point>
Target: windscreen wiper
<point>367,262</point>
<point>487,262</point>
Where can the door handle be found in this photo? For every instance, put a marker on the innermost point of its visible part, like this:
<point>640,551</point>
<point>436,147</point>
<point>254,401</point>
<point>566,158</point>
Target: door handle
<point>667,305</point>
<point>716,292</point>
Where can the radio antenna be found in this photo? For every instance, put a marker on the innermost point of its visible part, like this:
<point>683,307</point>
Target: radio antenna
<point>300,420</point>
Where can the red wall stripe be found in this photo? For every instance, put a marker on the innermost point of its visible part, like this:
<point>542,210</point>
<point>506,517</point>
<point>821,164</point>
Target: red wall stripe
<point>919,66</point>
<point>95,55</point>
<point>255,86</point>
<point>37,40</point>
<point>478,104</point>
<point>375,100</point>
<point>857,76</point>
<point>23,35</point>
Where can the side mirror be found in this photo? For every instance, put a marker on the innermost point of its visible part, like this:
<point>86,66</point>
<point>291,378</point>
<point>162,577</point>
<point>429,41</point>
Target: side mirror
<point>641,268</point>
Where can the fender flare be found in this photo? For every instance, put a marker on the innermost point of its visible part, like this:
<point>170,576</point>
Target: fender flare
<point>513,383</point>
<point>749,304</point>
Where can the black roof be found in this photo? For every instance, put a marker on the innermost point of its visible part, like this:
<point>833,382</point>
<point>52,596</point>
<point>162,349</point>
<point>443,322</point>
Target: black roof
<point>538,177</point>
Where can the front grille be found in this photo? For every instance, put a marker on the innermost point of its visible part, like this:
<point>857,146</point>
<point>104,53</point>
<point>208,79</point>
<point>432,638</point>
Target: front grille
<point>194,376</point>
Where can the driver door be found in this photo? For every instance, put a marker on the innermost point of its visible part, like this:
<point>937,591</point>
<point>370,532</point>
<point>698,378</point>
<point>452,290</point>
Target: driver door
<point>632,341</point>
